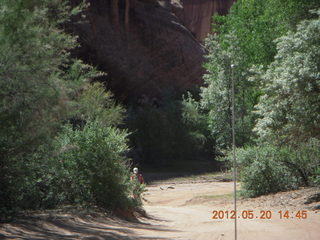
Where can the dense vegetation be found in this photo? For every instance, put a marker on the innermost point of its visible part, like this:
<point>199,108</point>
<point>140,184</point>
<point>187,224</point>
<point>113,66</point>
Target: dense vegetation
<point>274,48</point>
<point>170,133</point>
<point>59,137</point>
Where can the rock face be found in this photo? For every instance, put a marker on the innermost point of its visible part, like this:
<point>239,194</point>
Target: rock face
<point>197,15</point>
<point>143,45</point>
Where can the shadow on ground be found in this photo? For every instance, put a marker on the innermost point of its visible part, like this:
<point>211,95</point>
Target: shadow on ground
<point>71,227</point>
<point>176,170</point>
<point>195,176</point>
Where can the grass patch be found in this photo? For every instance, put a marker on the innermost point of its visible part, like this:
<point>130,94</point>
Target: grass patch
<point>221,196</point>
<point>209,198</point>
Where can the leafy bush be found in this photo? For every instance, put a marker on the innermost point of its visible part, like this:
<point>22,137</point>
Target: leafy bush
<point>262,171</point>
<point>44,161</point>
<point>94,158</point>
<point>267,169</point>
<point>316,177</point>
<point>153,133</point>
<point>289,115</point>
<point>257,23</point>
<point>92,152</point>
<point>246,39</point>
<point>289,108</point>
<point>303,161</point>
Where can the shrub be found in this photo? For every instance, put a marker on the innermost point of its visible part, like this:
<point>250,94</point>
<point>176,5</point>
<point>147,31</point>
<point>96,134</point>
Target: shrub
<point>267,169</point>
<point>262,172</point>
<point>303,161</point>
<point>98,170</point>
<point>316,177</point>
<point>265,174</point>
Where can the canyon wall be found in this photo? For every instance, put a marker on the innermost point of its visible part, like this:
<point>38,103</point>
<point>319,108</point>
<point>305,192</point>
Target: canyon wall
<point>197,15</point>
<point>146,47</point>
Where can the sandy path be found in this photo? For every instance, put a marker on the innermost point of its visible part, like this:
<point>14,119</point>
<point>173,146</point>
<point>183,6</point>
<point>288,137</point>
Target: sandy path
<point>186,209</point>
<point>183,212</point>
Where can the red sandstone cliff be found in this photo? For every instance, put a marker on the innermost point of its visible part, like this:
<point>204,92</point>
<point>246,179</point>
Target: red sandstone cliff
<point>197,15</point>
<point>144,45</point>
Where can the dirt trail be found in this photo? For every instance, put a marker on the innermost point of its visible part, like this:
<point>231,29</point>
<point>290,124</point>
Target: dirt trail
<point>184,211</point>
<point>187,209</point>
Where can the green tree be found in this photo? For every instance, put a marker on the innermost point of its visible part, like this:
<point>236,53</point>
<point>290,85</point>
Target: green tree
<point>216,96</point>
<point>33,52</point>
<point>290,105</point>
<point>277,91</point>
<point>42,88</point>
<point>246,39</point>
<point>195,121</point>
<point>257,23</point>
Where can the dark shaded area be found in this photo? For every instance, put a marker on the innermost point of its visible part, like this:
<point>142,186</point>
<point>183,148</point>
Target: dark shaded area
<point>163,137</point>
<point>151,177</point>
<point>74,227</point>
<point>313,198</point>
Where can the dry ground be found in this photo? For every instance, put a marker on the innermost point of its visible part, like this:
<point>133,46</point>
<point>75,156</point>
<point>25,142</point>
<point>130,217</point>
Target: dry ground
<point>183,210</point>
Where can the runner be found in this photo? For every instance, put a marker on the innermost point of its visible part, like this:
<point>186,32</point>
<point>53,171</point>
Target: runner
<point>137,176</point>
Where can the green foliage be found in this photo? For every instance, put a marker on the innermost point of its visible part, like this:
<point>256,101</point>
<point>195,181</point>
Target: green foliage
<point>266,176</point>
<point>316,178</point>
<point>167,131</point>
<point>267,168</point>
<point>36,181</point>
<point>257,23</point>
<point>32,52</point>
<point>195,122</point>
<point>154,132</point>
<point>276,73</point>
<point>43,162</point>
<point>304,161</point>
<point>261,170</point>
<point>246,39</point>
<point>216,96</point>
<point>290,106</point>
<point>95,104</point>
<point>93,153</point>
<point>94,158</point>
